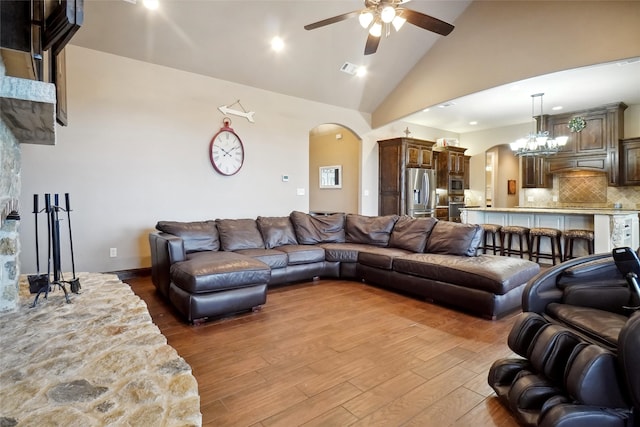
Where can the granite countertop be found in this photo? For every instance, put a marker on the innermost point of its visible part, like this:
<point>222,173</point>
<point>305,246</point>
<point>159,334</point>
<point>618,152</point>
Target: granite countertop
<point>562,210</point>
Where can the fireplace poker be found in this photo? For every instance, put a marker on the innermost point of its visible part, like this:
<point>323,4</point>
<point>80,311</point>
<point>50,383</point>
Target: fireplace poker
<point>75,282</point>
<point>37,281</point>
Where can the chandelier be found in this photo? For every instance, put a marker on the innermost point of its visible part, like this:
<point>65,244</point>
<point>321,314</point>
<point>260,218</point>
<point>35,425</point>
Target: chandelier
<point>378,14</point>
<point>537,143</point>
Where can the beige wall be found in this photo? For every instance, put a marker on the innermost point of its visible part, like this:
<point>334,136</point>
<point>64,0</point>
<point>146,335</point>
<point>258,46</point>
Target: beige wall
<point>498,42</point>
<point>136,151</point>
<point>326,149</point>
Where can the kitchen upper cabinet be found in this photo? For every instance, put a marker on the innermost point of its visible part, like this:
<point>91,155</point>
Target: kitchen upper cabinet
<point>535,173</point>
<point>454,159</point>
<point>630,161</point>
<point>595,147</point>
<point>450,161</point>
<point>419,154</point>
<point>394,156</point>
<point>590,140</point>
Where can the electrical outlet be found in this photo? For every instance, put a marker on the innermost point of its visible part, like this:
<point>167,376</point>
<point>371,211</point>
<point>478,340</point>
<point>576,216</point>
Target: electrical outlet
<point>555,198</point>
<point>530,199</point>
<point>113,252</point>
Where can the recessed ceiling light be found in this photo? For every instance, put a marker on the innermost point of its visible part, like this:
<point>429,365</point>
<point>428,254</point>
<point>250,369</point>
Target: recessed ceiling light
<point>277,44</point>
<point>426,110</point>
<point>473,123</point>
<point>447,104</point>
<point>362,71</point>
<point>557,107</point>
<point>151,4</point>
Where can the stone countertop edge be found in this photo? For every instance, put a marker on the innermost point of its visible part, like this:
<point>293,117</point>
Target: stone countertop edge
<point>574,211</point>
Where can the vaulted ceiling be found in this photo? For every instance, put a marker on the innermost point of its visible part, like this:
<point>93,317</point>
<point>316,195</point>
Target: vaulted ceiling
<point>230,40</point>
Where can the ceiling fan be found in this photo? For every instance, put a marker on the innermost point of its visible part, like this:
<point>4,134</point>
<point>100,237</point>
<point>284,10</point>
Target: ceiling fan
<point>379,14</point>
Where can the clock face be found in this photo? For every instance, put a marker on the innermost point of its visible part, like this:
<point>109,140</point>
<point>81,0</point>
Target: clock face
<point>227,152</point>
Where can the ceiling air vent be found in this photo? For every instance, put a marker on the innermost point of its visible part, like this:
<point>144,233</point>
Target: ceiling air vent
<point>349,68</point>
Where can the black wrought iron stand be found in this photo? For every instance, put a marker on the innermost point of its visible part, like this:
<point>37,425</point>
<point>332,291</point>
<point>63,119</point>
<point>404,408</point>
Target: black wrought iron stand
<point>53,237</point>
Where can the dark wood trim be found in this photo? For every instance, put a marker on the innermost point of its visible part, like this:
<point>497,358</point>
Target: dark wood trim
<point>133,273</point>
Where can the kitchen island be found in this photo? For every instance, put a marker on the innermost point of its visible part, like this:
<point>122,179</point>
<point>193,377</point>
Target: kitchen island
<point>612,227</point>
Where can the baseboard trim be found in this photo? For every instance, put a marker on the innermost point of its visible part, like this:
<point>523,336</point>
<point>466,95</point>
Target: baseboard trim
<point>133,273</point>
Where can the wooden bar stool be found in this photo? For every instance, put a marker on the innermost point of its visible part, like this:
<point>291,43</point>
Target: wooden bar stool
<point>536,234</point>
<point>492,230</point>
<point>508,231</point>
<point>572,235</point>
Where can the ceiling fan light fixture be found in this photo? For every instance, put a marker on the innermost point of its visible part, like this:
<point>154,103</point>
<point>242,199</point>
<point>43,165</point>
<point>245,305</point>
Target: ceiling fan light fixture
<point>398,22</point>
<point>376,29</point>
<point>151,4</point>
<point>387,14</point>
<point>365,18</point>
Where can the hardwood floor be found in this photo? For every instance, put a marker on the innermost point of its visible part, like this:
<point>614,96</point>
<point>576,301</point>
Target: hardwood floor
<point>339,353</point>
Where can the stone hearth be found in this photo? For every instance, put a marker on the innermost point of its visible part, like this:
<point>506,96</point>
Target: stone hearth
<point>97,361</point>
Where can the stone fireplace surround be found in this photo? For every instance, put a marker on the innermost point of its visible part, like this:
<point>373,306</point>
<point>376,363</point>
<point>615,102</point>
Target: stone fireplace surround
<point>27,115</point>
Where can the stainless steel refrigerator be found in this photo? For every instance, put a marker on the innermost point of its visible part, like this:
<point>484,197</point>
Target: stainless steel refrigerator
<point>420,192</point>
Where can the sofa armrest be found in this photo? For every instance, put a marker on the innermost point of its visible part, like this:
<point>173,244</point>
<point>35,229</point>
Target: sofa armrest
<point>166,249</point>
<point>543,290</point>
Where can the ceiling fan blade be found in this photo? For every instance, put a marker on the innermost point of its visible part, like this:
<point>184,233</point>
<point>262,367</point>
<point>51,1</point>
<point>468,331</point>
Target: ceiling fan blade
<point>332,20</point>
<point>372,44</point>
<point>427,22</point>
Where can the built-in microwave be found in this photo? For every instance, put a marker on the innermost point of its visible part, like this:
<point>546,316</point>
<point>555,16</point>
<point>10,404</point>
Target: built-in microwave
<point>456,184</point>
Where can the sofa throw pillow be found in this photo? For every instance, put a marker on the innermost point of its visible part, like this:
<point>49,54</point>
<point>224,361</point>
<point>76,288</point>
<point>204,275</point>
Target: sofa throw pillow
<point>411,233</point>
<point>454,238</point>
<point>371,230</point>
<point>236,234</point>
<point>318,229</point>
<point>197,236</point>
<point>276,231</point>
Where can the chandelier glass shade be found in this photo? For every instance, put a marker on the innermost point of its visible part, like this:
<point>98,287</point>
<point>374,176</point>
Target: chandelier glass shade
<point>374,17</point>
<point>537,143</point>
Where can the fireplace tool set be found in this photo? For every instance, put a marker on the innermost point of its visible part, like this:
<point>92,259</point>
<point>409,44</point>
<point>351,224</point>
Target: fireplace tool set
<point>40,283</point>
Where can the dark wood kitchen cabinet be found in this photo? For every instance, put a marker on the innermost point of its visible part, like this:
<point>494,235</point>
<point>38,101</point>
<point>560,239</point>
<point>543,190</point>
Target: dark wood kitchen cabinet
<point>596,147</point>
<point>450,161</point>
<point>630,161</point>
<point>535,173</point>
<point>394,156</point>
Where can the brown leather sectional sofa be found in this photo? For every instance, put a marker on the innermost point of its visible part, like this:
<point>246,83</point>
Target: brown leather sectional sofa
<point>212,268</point>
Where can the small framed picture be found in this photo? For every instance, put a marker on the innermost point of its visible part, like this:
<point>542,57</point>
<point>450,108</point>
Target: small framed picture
<point>511,187</point>
<point>331,176</point>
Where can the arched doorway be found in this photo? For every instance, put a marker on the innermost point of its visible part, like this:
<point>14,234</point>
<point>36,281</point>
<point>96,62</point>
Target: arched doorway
<point>331,146</point>
<point>502,182</point>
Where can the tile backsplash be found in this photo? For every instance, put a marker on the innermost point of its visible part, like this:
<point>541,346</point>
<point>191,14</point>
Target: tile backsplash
<point>582,189</point>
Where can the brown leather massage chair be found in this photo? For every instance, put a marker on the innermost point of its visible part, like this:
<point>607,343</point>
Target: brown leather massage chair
<point>578,342</point>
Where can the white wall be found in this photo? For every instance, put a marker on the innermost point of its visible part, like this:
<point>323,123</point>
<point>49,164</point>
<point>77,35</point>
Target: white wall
<point>136,151</point>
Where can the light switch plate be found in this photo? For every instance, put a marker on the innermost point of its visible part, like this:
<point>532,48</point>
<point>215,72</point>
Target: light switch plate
<point>300,191</point>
